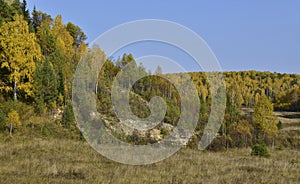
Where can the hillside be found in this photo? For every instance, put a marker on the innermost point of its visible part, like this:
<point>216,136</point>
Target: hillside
<point>290,132</point>
<point>243,89</point>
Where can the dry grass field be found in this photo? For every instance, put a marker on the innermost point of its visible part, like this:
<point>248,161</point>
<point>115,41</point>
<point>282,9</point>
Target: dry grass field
<point>290,132</point>
<point>59,158</point>
<point>69,161</point>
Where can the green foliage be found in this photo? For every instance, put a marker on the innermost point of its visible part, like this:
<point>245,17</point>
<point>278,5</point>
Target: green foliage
<point>68,116</point>
<point>78,35</point>
<point>2,121</point>
<point>260,150</point>
<point>45,86</point>
<point>45,131</point>
<point>26,14</point>
<point>7,12</point>
<point>38,18</point>
<point>279,125</point>
<point>45,37</point>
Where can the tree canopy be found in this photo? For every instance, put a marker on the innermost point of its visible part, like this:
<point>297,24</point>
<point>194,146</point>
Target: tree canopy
<point>19,52</point>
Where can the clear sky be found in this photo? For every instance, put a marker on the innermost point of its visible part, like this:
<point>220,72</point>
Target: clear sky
<point>244,35</point>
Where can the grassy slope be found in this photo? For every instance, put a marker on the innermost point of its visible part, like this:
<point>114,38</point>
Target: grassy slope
<point>290,132</point>
<point>69,161</point>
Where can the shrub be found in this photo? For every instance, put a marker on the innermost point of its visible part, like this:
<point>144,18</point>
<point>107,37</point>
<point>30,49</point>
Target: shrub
<point>279,125</point>
<point>260,150</point>
<point>45,131</point>
<point>25,111</point>
<point>7,106</point>
<point>13,120</point>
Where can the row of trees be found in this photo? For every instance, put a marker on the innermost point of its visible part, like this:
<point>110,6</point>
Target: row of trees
<point>245,88</point>
<point>238,129</point>
<point>38,56</point>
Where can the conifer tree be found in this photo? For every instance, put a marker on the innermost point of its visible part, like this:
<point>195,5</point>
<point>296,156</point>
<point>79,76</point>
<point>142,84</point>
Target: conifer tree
<point>45,86</point>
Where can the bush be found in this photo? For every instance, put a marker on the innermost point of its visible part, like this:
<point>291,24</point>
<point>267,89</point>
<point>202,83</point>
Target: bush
<point>13,120</point>
<point>279,125</point>
<point>8,106</point>
<point>24,110</point>
<point>45,131</point>
<point>260,150</point>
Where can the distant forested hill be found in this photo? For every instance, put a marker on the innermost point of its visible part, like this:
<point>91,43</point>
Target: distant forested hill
<point>245,88</point>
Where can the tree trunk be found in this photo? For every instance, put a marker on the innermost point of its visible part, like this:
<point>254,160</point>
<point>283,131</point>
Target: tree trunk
<point>15,91</point>
<point>96,88</point>
<point>10,129</point>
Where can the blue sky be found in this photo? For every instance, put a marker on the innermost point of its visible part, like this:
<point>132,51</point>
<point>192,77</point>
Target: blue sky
<point>244,35</point>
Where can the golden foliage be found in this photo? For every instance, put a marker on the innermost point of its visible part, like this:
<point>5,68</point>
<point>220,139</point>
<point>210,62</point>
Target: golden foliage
<point>264,118</point>
<point>13,119</point>
<point>64,40</point>
<point>18,55</point>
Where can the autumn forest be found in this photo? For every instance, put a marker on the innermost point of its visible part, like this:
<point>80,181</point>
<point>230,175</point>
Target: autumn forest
<point>39,55</point>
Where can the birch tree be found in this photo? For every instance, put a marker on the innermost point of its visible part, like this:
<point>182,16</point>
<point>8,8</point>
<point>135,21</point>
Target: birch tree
<point>18,53</point>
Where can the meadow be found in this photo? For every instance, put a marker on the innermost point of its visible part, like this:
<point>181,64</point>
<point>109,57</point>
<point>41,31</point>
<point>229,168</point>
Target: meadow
<point>64,160</point>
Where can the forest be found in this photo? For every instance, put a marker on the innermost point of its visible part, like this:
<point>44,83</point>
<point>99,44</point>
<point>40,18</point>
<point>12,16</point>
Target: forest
<point>39,55</point>
<point>38,59</point>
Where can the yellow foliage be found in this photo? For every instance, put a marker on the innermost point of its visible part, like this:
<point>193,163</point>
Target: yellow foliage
<point>264,118</point>
<point>12,119</point>
<point>80,51</point>
<point>19,53</point>
<point>64,40</point>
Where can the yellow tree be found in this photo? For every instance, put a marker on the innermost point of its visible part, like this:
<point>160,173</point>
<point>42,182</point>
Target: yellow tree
<point>18,53</point>
<point>264,118</point>
<point>64,42</point>
<point>45,37</point>
<point>13,120</point>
